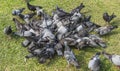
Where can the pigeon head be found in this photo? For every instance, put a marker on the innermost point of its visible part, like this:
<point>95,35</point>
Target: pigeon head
<point>13,13</point>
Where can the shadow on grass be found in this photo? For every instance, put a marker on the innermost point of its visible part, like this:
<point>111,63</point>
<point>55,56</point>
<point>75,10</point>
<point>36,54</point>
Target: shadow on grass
<point>53,60</point>
<point>116,22</point>
<point>103,66</point>
<point>15,36</point>
<point>81,59</point>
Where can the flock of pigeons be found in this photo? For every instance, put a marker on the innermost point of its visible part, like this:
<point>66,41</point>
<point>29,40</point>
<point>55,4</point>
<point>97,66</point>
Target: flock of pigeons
<point>47,36</point>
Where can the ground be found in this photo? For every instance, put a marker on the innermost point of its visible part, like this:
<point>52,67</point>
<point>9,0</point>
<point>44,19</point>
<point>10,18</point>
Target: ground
<point>12,54</point>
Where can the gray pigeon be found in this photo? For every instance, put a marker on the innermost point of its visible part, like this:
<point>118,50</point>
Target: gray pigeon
<point>78,8</point>
<point>34,53</point>
<point>105,30</point>
<point>39,11</point>
<point>25,43</point>
<point>98,40</point>
<point>47,53</point>
<point>24,33</point>
<point>94,63</point>
<point>19,26</point>
<point>70,57</point>
<point>27,17</point>
<point>18,11</point>
<point>58,47</point>
<point>115,59</point>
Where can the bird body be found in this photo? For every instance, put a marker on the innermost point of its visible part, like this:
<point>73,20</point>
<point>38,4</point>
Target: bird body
<point>18,11</point>
<point>27,17</point>
<point>39,11</point>
<point>7,30</point>
<point>46,53</point>
<point>70,57</point>
<point>105,29</point>
<point>94,63</point>
<point>59,48</point>
<point>78,8</point>
<point>98,40</point>
<point>61,13</point>
<point>48,33</point>
<point>32,7</point>
<point>108,17</point>
<point>25,43</point>
<point>115,59</point>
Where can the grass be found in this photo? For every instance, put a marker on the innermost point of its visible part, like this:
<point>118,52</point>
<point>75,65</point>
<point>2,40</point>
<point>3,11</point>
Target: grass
<point>12,53</point>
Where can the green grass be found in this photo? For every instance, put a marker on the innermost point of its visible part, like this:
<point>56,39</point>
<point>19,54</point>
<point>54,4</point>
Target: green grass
<point>12,53</point>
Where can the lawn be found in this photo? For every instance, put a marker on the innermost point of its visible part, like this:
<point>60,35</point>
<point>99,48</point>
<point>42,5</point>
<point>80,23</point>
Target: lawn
<point>12,54</point>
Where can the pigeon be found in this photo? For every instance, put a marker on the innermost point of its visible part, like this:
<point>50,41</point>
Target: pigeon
<point>81,43</point>
<point>98,40</point>
<point>47,20</point>
<point>61,13</point>
<point>47,53</point>
<point>32,7</point>
<point>82,33</point>
<point>29,56</point>
<point>90,26</point>
<point>76,17</point>
<point>47,34</point>
<point>70,57</point>
<point>114,58</point>
<point>85,41</point>
<point>7,30</point>
<point>39,11</point>
<point>105,29</point>
<point>94,63</point>
<point>31,47</point>
<point>25,43</point>
<point>27,17</point>
<point>19,26</point>
<point>71,41</point>
<point>90,42</point>
<point>24,33</point>
<point>108,17</point>
<point>34,53</point>
<point>58,47</point>
<point>86,18</point>
<point>61,31</point>
<point>78,8</point>
<point>18,11</point>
